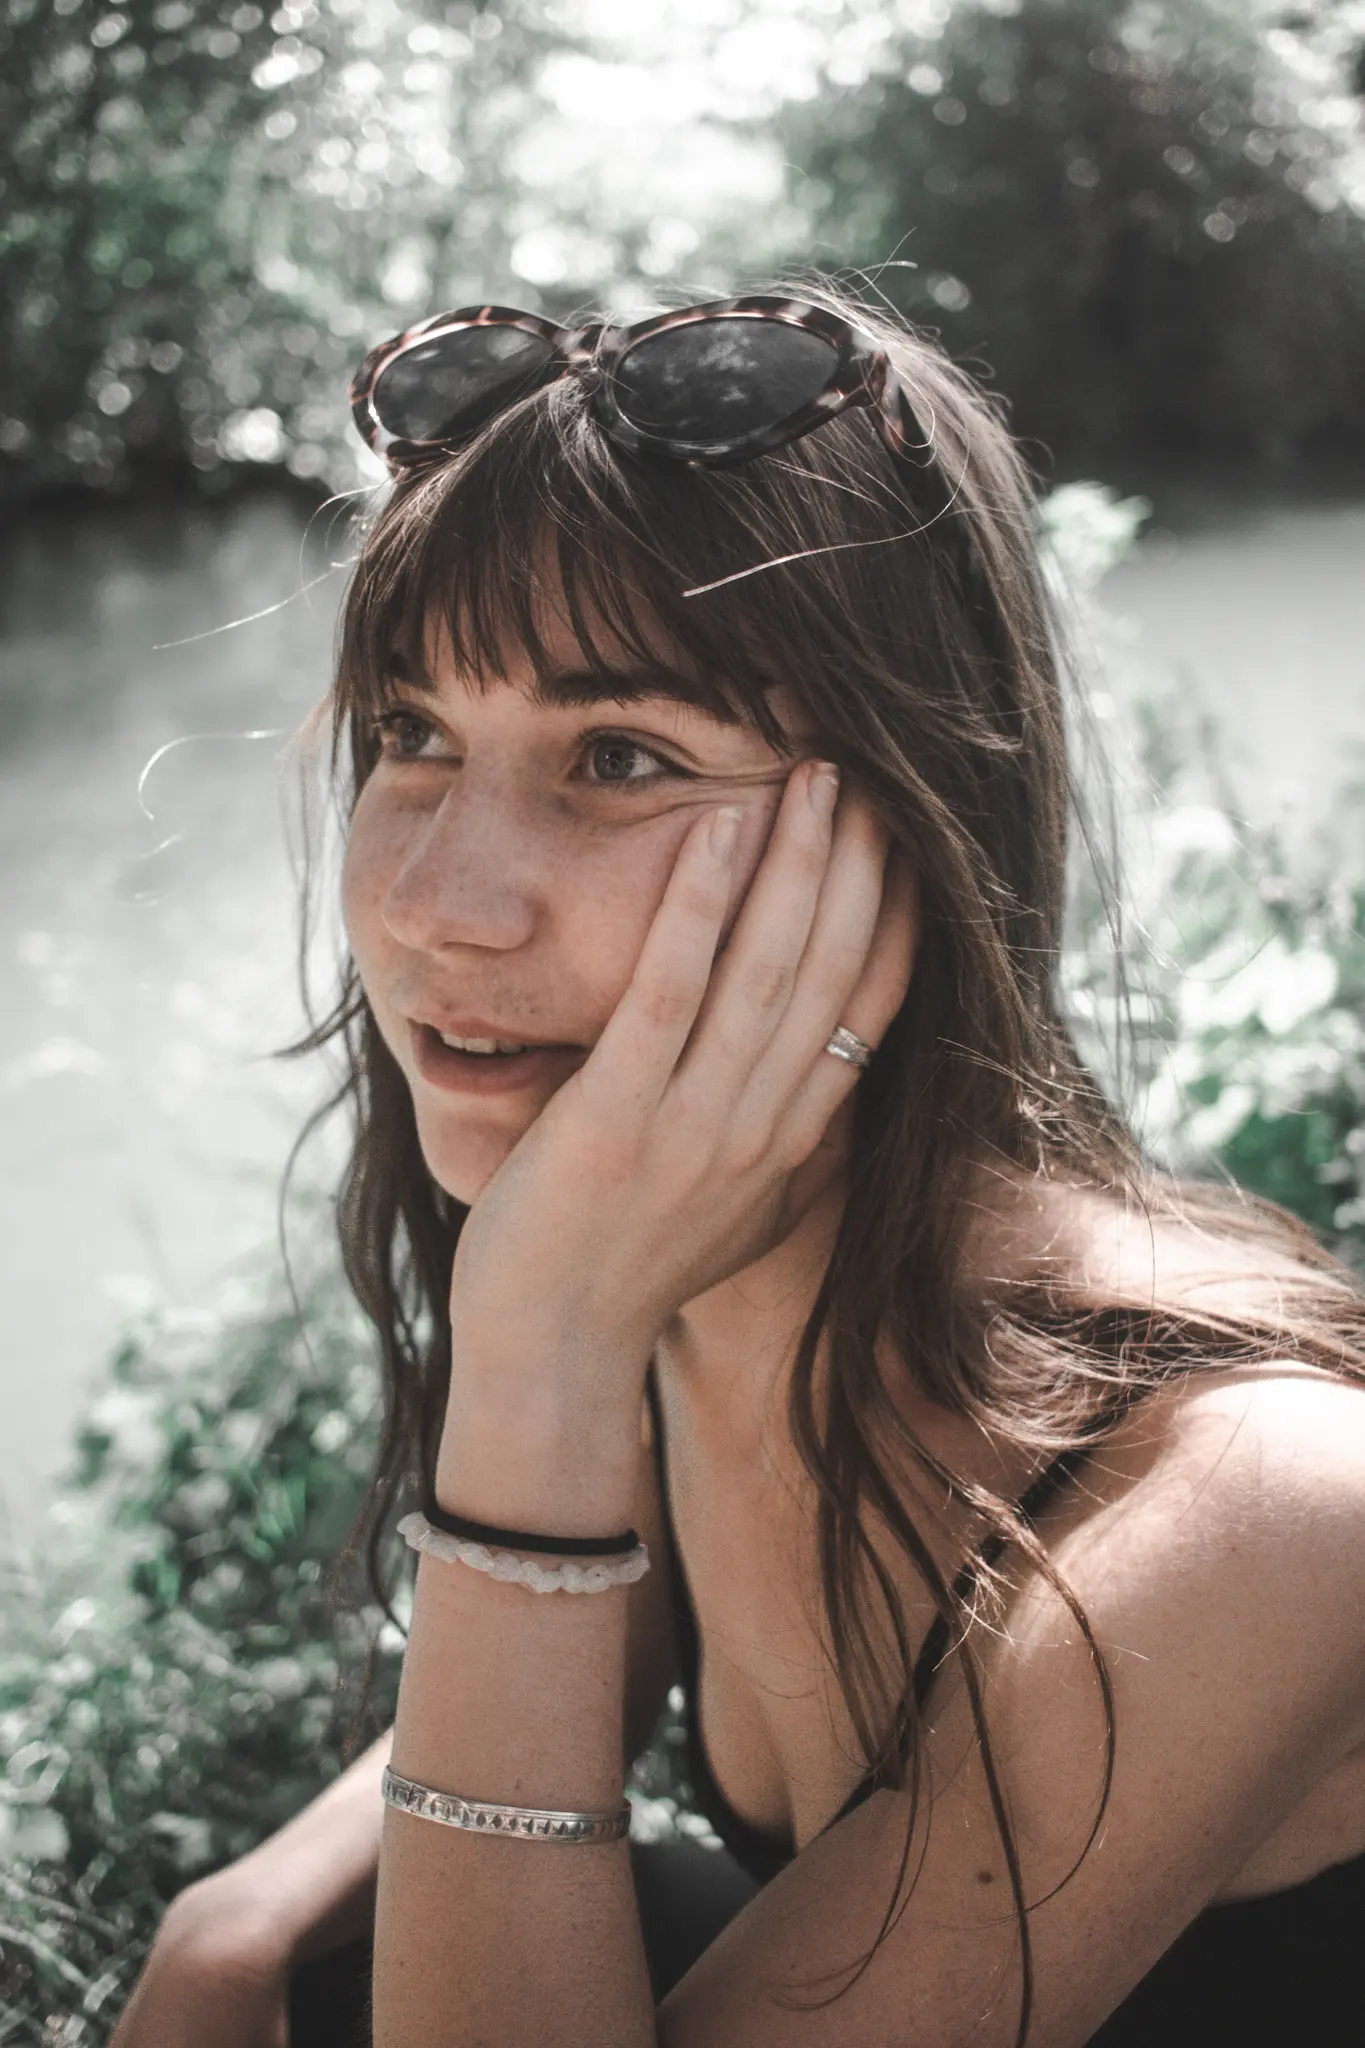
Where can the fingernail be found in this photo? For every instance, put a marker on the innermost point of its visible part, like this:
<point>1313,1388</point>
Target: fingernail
<point>724,831</point>
<point>824,788</point>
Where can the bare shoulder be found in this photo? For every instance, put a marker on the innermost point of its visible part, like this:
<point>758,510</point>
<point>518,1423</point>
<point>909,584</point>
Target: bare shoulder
<point>1280,1439</point>
<point>1235,1500</point>
<point>1278,1436</point>
<point>1213,1543</point>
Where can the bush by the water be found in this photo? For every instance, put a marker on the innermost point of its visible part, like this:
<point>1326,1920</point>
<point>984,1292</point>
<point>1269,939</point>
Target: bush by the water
<point>171,1686</point>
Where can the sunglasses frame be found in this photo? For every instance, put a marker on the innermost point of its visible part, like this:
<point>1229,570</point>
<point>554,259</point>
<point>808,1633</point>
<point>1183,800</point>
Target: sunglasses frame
<point>861,375</point>
<point>401,453</point>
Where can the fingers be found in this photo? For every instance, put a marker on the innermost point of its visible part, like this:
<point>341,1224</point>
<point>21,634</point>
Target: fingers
<point>798,951</point>
<point>869,1003</point>
<point>636,1053</point>
<point>835,958</point>
<point>884,981</point>
<point>825,936</point>
<point>752,984</point>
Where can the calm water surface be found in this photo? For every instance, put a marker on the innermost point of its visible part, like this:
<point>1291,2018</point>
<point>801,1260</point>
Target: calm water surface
<point>147,965</point>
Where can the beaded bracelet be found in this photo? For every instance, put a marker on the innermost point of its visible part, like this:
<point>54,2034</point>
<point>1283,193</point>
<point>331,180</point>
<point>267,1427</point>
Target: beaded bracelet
<point>570,1577</point>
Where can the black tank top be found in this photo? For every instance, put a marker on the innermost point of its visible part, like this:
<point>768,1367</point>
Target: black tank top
<point>1283,1971</point>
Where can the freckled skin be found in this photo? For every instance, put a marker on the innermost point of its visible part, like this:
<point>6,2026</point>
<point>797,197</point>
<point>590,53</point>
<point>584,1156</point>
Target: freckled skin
<point>487,874</point>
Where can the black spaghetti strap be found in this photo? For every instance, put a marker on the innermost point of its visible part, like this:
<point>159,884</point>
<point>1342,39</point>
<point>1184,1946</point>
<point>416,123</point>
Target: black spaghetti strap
<point>935,1645</point>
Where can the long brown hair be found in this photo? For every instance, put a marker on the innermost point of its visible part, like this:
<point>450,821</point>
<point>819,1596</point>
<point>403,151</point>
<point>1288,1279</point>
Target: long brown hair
<point>953,723</point>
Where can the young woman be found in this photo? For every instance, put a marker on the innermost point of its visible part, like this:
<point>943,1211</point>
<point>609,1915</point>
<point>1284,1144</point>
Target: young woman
<point>1003,1500</point>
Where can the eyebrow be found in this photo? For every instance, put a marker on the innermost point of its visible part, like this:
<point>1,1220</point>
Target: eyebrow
<point>575,688</point>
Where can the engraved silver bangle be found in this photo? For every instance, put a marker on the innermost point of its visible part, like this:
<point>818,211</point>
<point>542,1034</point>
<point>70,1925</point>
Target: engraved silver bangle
<point>593,1575</point>
<point>846,1045</point>
<point>479,1816</point>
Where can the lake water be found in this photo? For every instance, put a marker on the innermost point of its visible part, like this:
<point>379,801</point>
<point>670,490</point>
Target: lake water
<point>147,965</point>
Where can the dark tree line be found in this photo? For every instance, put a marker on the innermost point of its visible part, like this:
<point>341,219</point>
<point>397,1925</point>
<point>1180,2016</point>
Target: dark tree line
<point>1139,216</point>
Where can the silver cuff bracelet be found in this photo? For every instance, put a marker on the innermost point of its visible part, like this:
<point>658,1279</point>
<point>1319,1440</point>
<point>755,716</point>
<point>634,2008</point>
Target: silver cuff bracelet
<point>537,1823</point>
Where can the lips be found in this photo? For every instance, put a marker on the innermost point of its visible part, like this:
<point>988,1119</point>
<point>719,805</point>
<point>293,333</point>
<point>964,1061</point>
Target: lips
<point>451,1072</point>
<point>465,1026</point>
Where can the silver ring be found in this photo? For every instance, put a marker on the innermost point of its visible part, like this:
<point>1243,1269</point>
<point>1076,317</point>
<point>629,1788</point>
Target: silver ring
<point>846,1045</point>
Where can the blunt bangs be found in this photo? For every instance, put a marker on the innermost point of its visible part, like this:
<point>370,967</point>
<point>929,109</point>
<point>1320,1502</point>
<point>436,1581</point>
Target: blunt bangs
<point>535,522</point>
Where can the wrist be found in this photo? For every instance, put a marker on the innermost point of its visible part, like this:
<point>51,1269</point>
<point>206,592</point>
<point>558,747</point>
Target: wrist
<point>543,1463</point>
<point>539,1443</point>
<point>539,1362</point>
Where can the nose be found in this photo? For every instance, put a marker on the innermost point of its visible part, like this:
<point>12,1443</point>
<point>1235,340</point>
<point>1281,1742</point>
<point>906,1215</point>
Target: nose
<point>469,877</point>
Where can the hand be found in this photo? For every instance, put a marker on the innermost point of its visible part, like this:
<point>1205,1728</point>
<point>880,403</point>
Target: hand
<point>682,1149</point>
<point>209,1982</point>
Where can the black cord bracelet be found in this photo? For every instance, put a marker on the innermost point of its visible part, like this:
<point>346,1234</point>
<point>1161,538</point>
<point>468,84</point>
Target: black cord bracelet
<point>521,1539</point>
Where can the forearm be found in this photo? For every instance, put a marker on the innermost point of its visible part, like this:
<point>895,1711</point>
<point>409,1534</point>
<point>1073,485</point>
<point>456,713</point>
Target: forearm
<point>515,1697</point>
<point>310,1887</point>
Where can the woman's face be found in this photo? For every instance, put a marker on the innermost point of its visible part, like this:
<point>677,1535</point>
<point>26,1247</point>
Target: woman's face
<point>504,861</point>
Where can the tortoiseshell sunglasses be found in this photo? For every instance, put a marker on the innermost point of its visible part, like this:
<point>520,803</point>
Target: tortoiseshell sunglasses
<point>710,384</point>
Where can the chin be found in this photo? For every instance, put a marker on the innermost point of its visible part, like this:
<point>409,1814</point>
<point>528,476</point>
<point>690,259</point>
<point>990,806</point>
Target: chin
<point>464,1161</point>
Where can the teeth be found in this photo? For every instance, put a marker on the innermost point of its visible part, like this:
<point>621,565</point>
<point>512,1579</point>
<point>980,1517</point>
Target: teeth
<point>479,1045</point>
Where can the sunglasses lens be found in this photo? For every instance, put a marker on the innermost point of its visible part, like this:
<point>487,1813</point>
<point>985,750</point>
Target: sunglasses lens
<point>455,381</point>
<point>714,382</point>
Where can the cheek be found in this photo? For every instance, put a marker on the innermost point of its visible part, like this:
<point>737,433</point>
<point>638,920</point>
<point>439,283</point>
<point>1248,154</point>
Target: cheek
<point>620,882</point>
<point>375,850</point>
<point>601,885</point>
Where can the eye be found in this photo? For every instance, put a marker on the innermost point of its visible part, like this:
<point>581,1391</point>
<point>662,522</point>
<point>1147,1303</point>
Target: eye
<point>388,723</point>
<point>614,760</point>
<point>617,761</point>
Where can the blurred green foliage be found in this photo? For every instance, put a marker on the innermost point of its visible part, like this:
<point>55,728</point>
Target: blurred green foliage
<point>1144,215</point>
<point>1215,974</point>
<point>172,1684</point>
<point>1246,1012</point>
<point>210,208</point>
